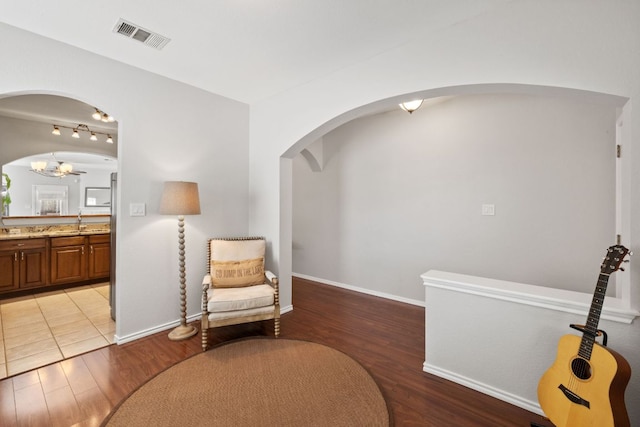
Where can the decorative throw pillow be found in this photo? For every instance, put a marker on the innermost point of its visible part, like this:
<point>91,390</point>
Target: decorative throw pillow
<point>235,274</point>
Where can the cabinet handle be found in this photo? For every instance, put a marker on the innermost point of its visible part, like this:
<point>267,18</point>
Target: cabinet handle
<point>20,245</point>
<point>82,250</point>
<point>91,247</point>
<point>22,256</point>
<point>15,256</point>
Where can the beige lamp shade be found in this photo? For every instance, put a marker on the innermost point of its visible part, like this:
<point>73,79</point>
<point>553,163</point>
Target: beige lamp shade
<point>180,198</point>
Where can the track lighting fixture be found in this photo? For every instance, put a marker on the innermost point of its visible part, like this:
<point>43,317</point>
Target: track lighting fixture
<point>83,128</point>
<point>102,116</point>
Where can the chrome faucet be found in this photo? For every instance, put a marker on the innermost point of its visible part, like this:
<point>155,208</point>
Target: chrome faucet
<point>79,217</point>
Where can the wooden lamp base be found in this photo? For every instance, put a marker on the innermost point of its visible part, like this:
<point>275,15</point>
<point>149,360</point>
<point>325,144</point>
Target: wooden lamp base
<point>183,332</point>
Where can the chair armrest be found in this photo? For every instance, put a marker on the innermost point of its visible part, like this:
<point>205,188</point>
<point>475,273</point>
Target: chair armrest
<point>206,282</point>
<point>273,280</point>
<point>270,276</point>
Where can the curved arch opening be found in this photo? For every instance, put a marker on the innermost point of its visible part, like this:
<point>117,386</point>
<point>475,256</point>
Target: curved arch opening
<point>616,105</point>
<point>66,193</point>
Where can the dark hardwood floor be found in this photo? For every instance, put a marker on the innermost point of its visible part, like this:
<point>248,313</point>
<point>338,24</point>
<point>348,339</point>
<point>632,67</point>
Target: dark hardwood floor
<point>386,337</point>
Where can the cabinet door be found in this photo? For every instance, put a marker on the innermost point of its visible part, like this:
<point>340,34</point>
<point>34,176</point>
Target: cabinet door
<point>33,268</point>
<point>68,264</point>
<point>99,260</point>
<point>9,270</point>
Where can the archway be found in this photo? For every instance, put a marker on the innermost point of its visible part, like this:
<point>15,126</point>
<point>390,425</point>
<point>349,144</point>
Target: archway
<point>314,148</point>
<point>28,120</point>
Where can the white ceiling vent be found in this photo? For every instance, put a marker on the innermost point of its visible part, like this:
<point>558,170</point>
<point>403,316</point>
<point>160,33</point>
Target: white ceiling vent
<point>136,32</point>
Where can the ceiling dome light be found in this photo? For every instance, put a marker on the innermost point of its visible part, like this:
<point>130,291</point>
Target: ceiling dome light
<point>411,106</point>
<point>56,130</point>
<point>75,133</point>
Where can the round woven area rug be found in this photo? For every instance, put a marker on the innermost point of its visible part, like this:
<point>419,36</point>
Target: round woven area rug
<point>258,382</point>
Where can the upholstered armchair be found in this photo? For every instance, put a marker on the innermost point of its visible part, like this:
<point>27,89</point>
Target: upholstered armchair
<point>237,289</point>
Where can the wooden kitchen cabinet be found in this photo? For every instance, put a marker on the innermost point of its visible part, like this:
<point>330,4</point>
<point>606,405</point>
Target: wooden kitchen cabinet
<point>53,260</point>
<point>99,256</point>
<point>68,259</point>
<point>23,264</point>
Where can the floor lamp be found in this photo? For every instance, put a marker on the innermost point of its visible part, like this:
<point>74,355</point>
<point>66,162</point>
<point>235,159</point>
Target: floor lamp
<point>181,198</point>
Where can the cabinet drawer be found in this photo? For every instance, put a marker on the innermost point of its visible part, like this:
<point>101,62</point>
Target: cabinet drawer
<point>9,245</point>
<point>57,242</point>
<point>99,238</point>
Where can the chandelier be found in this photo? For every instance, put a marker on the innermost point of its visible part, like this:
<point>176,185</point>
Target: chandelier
<point>93,134</point>
<point>54,168</point>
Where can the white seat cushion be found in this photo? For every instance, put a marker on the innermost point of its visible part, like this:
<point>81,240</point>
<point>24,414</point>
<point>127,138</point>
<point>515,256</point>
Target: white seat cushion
<point>234,299</point>
<point>224,315</point>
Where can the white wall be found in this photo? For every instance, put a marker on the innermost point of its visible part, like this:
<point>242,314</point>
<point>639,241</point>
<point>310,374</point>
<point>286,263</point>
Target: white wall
<point>160,138</point>
<point>401,194</point>
<point>518,46</point>
<point>485,333</point>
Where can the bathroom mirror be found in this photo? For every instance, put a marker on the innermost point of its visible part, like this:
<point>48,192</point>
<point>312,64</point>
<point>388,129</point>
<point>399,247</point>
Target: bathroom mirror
<point>97,196</point>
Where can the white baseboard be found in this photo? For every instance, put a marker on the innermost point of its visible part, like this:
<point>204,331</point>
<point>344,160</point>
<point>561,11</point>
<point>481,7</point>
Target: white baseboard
<point>146,332</point>
<point>484,388</point>
<point>166,326</point>
<point>361,290</point>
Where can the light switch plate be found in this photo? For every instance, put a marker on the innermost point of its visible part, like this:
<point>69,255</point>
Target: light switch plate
<point>488,209</point>
<point>137,209</point>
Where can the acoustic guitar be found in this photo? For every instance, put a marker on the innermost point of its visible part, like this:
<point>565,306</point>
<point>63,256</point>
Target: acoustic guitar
<point>586,383</point>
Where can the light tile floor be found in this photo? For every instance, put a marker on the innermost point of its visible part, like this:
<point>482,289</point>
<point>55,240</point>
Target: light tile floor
<point>41,329</point>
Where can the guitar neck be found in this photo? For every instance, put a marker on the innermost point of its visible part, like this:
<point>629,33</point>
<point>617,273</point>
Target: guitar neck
<point>591,327</point>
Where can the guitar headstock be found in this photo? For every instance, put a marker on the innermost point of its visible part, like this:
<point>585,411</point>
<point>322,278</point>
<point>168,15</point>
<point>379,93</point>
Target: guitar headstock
<point>614,258</point>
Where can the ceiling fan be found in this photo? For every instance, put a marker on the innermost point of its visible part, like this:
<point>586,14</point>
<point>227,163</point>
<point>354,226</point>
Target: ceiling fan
<point>58,169</point>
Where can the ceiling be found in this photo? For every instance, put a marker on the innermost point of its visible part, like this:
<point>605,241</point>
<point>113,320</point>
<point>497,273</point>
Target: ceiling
<point>54,109</point>
<point>61,111</point>
<point>247,50</point>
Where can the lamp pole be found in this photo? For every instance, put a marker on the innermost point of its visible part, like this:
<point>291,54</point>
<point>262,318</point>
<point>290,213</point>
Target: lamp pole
<point>181,198</point>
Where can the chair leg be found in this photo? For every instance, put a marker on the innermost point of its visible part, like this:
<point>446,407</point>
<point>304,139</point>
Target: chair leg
<point>205,338</point>
<point>276,326</point>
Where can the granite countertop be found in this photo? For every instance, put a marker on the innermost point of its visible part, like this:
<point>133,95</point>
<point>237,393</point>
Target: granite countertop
<point>52,231</point>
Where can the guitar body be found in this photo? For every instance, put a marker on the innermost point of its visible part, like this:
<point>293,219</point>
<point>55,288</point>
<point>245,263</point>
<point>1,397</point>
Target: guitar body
<point>596,401</point>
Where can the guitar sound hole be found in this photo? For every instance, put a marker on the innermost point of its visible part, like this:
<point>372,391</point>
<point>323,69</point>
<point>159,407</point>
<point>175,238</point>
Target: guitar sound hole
<point>581,368</point>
